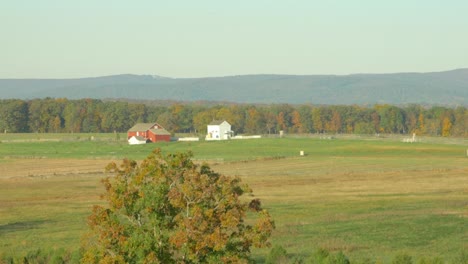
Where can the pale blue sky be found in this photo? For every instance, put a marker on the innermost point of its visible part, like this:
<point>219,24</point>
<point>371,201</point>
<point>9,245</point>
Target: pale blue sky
<point>199,38</point>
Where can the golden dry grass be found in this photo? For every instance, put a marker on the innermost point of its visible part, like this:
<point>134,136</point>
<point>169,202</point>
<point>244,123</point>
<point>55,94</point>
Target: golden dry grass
<point>349,177</point>
<point>365,205</point>
<point>46,167</point>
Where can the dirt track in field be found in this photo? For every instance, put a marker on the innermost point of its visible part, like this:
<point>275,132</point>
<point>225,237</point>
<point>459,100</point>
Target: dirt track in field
<point>49,167</point>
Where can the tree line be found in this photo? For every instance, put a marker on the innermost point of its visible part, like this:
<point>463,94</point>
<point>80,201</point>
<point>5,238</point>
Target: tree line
<point>59,115</point>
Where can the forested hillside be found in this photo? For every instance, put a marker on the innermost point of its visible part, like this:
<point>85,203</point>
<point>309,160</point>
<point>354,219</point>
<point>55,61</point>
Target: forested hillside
<point>92,115</point>
<point>437,88</point>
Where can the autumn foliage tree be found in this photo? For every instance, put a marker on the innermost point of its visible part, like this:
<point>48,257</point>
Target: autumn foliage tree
<point>94,116</point>
<point>170,210</point>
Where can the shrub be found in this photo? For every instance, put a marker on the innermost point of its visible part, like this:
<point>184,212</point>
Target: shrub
<point>436,260</point>
<point>318,257</point>
<point>7,260</point>
<point>365,261</point>
<point>38,256</point>
<point>277,255</point>
<point>75,257</point>
<point>462,258</point>
<point>297,260</point>
<point>402,259</point>
<point>322,256</point>
<point>338,258</point>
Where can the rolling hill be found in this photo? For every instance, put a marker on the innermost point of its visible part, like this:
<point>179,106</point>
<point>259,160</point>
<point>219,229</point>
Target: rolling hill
<point>434,88</point>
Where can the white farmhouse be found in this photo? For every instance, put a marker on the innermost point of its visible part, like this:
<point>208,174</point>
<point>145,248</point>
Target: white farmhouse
<point>219,130</point>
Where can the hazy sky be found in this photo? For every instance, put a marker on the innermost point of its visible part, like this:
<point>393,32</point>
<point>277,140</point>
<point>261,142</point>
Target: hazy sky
<point>198,38</point>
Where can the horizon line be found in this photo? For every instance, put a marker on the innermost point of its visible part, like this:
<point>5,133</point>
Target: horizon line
<point>155,76</point>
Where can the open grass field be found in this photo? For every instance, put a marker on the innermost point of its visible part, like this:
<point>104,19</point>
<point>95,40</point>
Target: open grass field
<point>370,198</point>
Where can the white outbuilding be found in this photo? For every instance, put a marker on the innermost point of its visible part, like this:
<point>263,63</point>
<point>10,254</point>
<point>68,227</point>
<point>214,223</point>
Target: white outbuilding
<point>136,140</point>
<point>219,130</point>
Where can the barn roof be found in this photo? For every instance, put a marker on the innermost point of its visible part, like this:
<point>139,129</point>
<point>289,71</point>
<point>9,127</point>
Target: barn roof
<point>217,122</point>
<point>160,131</point>
<point>143,127</point>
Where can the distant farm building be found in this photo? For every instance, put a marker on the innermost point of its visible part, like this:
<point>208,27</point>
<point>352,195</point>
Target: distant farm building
<point>136,140</point>
<point>147,132</point>
<point>219,130</point>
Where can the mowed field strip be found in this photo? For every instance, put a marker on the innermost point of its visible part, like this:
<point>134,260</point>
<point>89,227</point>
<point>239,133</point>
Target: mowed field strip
<point>368,198</point>
<point>13,168</point>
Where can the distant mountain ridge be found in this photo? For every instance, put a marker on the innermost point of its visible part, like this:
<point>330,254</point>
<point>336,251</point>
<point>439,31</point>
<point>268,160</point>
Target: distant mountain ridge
<point>434,88</point>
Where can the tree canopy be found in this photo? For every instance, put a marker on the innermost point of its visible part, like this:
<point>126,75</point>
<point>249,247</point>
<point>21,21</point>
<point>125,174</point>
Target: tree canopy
<point>170,210</point>
<point>94,116</point>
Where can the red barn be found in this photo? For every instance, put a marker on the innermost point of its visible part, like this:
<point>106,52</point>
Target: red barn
<point>153,132</point>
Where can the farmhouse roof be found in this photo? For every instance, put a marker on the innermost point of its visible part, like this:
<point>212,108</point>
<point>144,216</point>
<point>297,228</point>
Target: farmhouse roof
<point>160,131</point>
<point>143,127</point>
<point>217,122</point>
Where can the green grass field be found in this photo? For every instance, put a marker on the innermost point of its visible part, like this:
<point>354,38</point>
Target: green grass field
<point>369,198</point>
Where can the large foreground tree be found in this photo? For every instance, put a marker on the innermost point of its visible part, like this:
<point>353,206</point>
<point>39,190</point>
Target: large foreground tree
<point>170,210</point>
